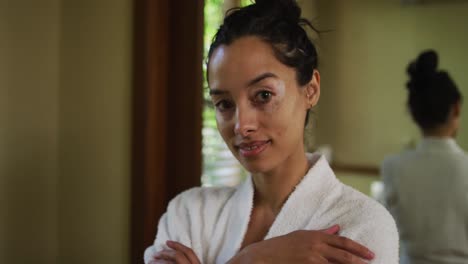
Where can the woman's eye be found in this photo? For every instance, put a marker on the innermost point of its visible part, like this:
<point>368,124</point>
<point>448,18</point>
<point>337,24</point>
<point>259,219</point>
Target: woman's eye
<point>263,97</point>
<point>224,105</point>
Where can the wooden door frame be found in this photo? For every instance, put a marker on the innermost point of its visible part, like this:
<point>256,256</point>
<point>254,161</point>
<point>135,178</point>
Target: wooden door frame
<point>167,110</point>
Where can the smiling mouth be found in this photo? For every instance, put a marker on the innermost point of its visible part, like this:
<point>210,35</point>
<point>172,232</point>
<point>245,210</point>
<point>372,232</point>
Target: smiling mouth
<point>253,149</point>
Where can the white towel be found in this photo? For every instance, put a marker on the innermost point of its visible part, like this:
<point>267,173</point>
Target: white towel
<point>213,221</point>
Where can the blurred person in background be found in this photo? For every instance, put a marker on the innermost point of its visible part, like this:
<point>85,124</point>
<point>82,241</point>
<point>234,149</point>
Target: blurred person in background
<point>426,189</point>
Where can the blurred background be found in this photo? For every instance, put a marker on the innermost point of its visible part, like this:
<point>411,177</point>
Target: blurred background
<point>86,157</point>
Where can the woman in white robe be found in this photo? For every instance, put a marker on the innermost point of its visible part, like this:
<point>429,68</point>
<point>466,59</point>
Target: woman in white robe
<point>426,189</point>
<point>263,79</point>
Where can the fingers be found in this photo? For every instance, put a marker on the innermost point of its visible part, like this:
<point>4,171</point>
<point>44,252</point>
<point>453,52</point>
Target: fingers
<point>349,246</point>
<point>178,254</point>
<point>335,255</point>
<point>188,252</point>
<point>172,257</point>
<point>332,230</point>
<point>161,261</point>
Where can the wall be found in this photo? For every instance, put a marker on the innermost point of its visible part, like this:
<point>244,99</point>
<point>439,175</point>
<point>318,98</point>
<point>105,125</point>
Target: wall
<point>362,112</point>
<point>29,73</point>
<point>65,82</point>
<point>95,97</point>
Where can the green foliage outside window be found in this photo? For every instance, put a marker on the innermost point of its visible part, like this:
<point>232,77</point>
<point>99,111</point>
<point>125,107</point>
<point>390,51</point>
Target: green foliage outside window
<point>219,166</point>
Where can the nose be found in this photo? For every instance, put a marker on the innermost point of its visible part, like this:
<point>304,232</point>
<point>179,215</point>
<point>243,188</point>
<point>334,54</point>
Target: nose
<point>246,121</point>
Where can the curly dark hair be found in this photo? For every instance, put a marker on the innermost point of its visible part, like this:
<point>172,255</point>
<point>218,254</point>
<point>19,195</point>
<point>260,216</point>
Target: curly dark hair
<point>278,23</point>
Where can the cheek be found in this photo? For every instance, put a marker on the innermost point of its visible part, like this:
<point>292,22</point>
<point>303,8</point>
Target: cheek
<point>275,107</point>
<point>287,120</point>
<point>280,124</point>
<point>225,127</point>
<point>277,121</point>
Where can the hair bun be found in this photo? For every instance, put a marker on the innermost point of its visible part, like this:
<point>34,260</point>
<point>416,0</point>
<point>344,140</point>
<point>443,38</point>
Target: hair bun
<point>285,9</point>
<point>424,66</point>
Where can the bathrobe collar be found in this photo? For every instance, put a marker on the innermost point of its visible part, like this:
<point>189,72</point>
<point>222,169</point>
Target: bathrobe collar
<point>309,193</point>
<point>439,144</point>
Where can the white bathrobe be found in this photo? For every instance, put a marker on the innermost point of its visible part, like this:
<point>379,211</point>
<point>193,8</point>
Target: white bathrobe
<point>213,221</point>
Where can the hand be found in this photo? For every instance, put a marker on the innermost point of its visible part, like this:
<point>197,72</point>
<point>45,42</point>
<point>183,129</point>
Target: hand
<point>178,254</point>
<point>306,246</point>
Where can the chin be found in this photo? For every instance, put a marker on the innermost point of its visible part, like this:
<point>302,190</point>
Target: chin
<point>261,163</point>
<point>255,166</point>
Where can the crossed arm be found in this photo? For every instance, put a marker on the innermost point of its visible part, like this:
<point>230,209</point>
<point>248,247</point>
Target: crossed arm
<point>303,246</point>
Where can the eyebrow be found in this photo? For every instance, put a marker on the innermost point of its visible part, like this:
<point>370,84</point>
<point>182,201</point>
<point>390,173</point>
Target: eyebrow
<point>250,83</point>
<point>262,77</point>
<point>217,92</point>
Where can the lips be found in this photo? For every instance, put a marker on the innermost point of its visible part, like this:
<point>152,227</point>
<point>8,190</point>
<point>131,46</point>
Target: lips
<point>253,148</point>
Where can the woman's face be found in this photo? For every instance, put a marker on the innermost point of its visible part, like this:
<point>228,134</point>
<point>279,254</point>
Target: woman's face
<point>260,108</point>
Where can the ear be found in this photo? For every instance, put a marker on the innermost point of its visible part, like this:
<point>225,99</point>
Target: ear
<point>456,109</point>
<point>312,90</point>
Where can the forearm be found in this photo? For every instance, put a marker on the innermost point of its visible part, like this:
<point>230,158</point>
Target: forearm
<point>247,255</point>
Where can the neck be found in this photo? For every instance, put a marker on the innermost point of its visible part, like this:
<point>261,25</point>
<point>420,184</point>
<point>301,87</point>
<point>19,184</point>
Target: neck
<point>273,188</point>
<point>443,131</point>
<point>449,128</point>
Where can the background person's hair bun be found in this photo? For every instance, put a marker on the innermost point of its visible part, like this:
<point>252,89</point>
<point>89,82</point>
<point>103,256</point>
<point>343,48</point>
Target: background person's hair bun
<point>285,9</point>
<point>432,92</point>
<point>424,66</point>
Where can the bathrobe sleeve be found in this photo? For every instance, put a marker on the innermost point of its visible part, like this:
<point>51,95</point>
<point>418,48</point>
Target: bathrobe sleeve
<point>381,237</point>
<point>370,224</point>
<point>173,225</point>
<point>390,197</point>
<point>191,219</point>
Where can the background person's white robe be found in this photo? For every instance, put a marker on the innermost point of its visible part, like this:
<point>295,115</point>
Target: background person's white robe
<point>213,221</point>
<point>426,190</point>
